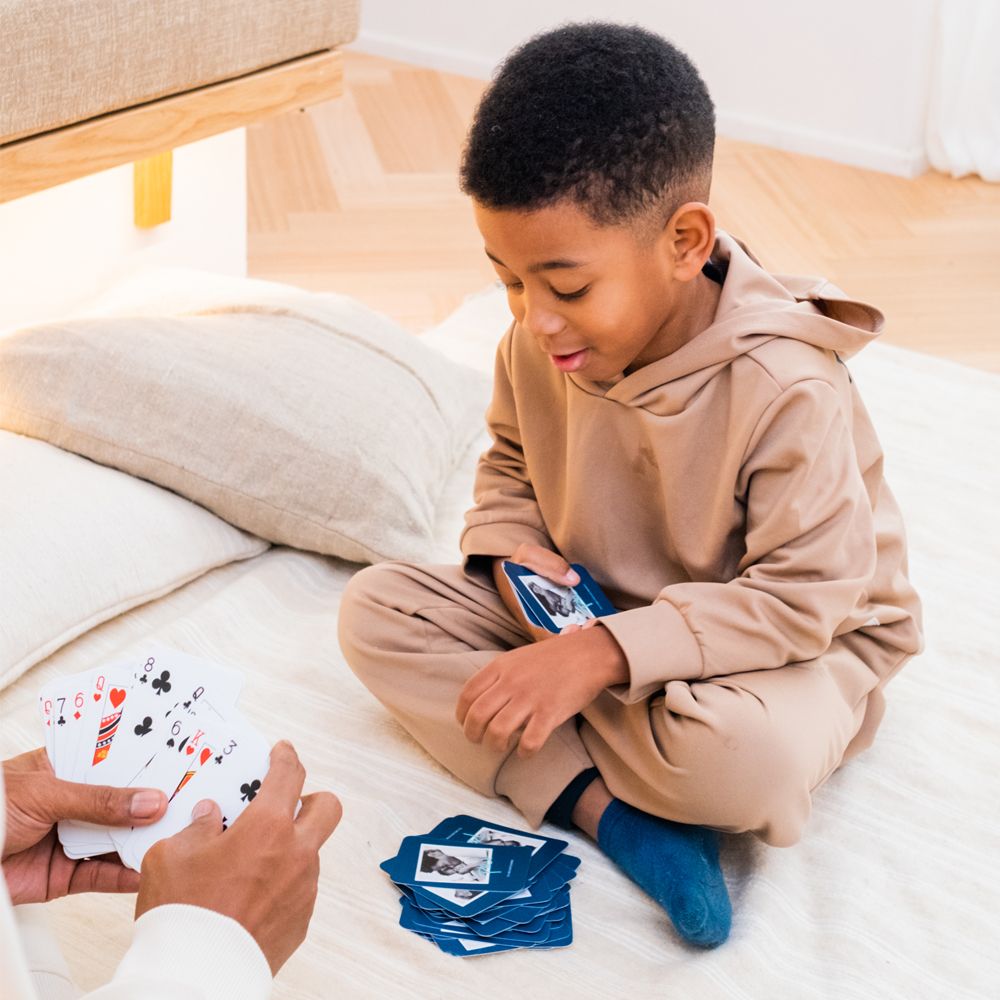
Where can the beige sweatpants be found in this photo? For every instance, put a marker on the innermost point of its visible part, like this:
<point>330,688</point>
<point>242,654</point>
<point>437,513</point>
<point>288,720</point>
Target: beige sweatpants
<point>737,753</point>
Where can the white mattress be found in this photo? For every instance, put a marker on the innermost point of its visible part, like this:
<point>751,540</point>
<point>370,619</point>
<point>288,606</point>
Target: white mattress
<point>891,893</point>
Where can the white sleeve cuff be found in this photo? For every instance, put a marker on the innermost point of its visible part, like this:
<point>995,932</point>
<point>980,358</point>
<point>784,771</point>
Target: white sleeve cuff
<point>181,951</point>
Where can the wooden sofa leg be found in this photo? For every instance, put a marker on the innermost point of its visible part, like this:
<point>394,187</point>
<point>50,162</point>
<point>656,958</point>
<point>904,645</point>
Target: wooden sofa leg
<point>151,184</point>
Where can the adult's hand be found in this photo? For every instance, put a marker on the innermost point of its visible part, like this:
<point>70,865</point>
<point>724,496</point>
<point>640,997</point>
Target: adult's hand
<point>545,563</point>
<point>34,864</point>
<point>263,871</point>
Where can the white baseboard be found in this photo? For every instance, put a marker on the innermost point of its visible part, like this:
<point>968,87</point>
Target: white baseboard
<point>840,149</point>
<point>446,60</point>
<point>779,135</point>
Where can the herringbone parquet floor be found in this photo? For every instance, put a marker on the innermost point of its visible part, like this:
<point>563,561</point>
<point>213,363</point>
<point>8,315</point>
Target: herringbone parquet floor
<point>360,195</point>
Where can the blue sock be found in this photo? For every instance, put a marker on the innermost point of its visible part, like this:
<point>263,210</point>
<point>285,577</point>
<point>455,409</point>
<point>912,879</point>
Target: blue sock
<point>677,864</point>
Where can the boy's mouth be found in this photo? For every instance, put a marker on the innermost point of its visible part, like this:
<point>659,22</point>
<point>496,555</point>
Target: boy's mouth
<point>570,362</point>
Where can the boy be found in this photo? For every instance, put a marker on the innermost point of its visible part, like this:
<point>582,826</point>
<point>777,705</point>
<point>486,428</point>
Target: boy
<point>679,421</point>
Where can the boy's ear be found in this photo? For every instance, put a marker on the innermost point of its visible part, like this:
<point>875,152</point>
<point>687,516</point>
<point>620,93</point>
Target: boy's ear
<point>691,231</point>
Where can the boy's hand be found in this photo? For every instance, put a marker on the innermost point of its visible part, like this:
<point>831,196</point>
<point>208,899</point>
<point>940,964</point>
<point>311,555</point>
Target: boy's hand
<point>545,563</point>
<point>534,689</point>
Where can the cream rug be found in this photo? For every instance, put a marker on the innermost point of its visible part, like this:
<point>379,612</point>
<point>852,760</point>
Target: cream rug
<point>893,891</point>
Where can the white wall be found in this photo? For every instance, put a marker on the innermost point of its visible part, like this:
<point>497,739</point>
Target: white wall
<point>63,246</point>
<point>843,79</point>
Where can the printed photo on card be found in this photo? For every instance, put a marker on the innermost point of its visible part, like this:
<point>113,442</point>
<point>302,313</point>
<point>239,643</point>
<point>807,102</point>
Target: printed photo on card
<point>437,862</point>
<point>562,604</point>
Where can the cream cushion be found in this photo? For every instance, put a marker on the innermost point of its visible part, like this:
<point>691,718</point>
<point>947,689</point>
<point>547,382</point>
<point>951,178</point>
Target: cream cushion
<point>80,544</point>
<point>311,422</point>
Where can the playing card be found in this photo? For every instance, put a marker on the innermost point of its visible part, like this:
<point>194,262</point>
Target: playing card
<point>71,699</point>
<point>467,949</point>
<point>231,774</point>
<point>468,829</point>
<point>429,861</point>
<point>156,718</point>
<point>552,606</point>
<point>165,683</point>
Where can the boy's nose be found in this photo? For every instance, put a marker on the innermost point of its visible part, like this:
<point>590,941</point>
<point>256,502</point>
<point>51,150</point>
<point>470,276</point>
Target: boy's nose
<point>541,322</point>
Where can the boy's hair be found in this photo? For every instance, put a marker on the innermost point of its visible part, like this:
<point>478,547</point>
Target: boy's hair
<point>610,116</point>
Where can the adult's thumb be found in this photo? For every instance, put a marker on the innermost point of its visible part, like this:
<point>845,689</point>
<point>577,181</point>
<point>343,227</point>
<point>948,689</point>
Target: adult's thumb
<point>103,804</point>
<point>206,814</point>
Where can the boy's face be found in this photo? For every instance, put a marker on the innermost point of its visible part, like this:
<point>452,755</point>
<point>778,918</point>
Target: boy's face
<point>598,300</point>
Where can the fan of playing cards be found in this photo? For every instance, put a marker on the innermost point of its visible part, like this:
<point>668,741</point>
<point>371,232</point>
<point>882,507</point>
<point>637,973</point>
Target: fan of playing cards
<point>163,720</point>
<point>475,888</point>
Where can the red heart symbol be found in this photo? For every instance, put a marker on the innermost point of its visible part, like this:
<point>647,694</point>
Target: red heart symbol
<point>117,696</point>
<point>205,754</point>
<point>189,750</point>
<point>97,696</point>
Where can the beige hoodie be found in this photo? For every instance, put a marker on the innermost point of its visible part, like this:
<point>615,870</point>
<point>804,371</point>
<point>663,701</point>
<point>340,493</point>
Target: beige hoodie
<point>729,497</point>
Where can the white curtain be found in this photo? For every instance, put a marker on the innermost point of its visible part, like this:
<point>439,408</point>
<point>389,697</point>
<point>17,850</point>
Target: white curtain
<point>963,115</point>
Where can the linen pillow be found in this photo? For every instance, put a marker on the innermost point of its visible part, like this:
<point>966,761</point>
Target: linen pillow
<point>309,421</point>
<point>80,544</point>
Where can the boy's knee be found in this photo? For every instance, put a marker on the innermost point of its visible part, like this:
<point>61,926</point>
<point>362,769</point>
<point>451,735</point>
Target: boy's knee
<point>750,773</point>
<point>363,605</point>
<point>362,588</point>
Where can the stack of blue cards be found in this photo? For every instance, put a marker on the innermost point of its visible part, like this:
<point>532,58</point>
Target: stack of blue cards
<point>476,888</point>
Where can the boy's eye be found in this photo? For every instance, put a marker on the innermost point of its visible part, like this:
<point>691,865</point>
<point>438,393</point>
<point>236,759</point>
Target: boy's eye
<point>568,296</point>
<point>515,286</point>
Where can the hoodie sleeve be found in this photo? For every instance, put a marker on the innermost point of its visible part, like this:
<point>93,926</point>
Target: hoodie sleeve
<point>810,555</point>
<point>506,512</point>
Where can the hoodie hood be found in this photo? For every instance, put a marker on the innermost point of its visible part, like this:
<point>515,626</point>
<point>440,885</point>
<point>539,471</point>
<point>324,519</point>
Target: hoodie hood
<point>754,308</point>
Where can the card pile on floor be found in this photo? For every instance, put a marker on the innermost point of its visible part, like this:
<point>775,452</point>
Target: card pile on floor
<point>163,720</point>
<point>475,888</point>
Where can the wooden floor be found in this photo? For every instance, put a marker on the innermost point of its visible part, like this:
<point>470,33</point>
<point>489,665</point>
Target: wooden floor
<point>360,195</point>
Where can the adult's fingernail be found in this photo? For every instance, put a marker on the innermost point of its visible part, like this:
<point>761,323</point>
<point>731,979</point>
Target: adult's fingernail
<point>203,808</point>
<point>571,578</point>
<point>145,804</point>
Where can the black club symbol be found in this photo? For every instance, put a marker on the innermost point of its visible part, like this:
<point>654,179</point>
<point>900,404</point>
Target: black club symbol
<point>62,721</point>
<point>144,727</point>
<point>143,679</point>
<point>218,760</point>
<point>162,683</point>
<point>249,791</point>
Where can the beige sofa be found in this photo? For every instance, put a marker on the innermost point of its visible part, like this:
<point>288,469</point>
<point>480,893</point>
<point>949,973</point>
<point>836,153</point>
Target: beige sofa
<point>90,84</point>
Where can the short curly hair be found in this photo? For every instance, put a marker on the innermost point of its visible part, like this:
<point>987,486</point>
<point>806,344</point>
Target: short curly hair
<point>610,116</point>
